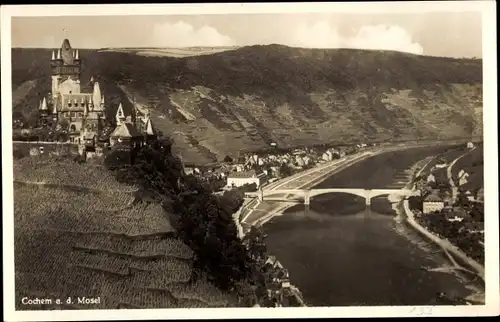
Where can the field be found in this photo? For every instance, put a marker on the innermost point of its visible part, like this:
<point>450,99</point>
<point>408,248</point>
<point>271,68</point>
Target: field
<point>78,236</point>
<point>170,52</point>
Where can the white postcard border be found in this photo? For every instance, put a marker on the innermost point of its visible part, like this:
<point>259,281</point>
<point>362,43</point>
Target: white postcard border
<point>490,160</point>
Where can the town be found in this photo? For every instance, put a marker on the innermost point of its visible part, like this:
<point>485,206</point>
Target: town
<point>451,205</point>
<point>256,169</point>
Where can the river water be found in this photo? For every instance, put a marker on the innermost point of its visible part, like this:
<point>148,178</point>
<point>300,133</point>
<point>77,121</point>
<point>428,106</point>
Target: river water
<point>340,253</point>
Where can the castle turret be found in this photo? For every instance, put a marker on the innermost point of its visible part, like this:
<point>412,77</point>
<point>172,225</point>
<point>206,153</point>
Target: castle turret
<point>120,115</point>
<point>59,54</point>
<point>96,95</point>
<point>150,129</point>
<point>43,106</point>
<point>76,55</point>
<point>53,55</point>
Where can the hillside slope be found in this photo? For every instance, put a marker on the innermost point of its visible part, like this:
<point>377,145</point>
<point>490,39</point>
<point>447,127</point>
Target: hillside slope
<point>218,104</point>
<point>79,230</point>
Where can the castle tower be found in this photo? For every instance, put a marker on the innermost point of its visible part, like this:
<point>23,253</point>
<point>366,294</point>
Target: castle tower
<point>66,65</point>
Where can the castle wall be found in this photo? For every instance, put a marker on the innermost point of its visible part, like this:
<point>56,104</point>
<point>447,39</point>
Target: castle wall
<point>25,148</point>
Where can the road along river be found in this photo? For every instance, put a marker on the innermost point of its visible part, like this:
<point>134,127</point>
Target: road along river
<point>340,253</point>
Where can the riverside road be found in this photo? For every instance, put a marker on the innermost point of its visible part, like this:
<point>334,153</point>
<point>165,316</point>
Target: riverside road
<point>341,253</point>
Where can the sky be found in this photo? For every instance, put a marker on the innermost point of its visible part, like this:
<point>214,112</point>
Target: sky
<point>450,34</point>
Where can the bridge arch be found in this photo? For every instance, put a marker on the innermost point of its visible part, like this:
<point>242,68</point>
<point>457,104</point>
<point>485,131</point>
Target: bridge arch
<point>307,194</point>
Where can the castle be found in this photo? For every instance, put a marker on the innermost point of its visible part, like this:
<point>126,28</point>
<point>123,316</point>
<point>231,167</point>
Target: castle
<point>82,116</point>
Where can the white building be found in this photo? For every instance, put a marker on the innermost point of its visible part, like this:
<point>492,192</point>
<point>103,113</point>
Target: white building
<point>327,156</point>
<point>470,145</point>
<point>238,179</point>
<point>432,203</point>
<point>431,178</point>
<point>463,179</point>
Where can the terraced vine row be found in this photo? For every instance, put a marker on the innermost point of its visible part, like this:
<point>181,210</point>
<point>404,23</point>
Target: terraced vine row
<point>52,171</point>
<point>60,209</point>
<point>145,248</point>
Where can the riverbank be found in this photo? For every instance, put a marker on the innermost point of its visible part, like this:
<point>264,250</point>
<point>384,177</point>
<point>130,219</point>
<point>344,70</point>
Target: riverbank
<point>444,244</point>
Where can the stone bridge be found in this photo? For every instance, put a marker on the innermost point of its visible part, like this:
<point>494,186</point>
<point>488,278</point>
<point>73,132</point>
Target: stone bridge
<point>307,194</point>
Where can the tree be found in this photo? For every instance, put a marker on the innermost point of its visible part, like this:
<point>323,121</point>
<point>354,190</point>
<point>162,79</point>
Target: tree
<point>462,200</point>
<point>285,170</point>
<point>415,202</point>
<point>477,213</point>
<point>228,159</point>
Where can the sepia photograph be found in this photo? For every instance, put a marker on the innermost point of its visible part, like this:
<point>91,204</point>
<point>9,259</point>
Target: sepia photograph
<point>330,159</point>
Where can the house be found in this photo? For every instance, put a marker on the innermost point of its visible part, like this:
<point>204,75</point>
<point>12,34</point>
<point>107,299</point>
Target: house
<point>238,167</point>
<point>432,203</point>
<point>463,179</point>
<point>273,262</point>
<point>474,227</point>
<point>188,171</point>
<point>125,136</point>
<point>470,145</point>
<point>431,178</point>
<point>327,156</point>
<point>238,179</point>
<point>447,198</point>
<point>469,195</point>
<point>457,215</point>
<point>480,195</point>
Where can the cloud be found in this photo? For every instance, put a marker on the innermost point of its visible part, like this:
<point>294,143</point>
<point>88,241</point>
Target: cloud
<point>378,37</point>
<point>182,34</point>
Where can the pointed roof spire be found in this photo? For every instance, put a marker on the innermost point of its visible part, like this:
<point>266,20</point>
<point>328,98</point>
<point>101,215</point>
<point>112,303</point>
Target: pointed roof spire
<point>150,129</point>
<point>59,54</point>
<point>82,100</point>
<point>44,104</point>
<point>92,79</point>
<point>53,55</point>
<point>96,94</point>
<point>86,109</point>
<point>76,55</point>
<point>54,108</point>
<point>120,115</point>
<point>90,101</point>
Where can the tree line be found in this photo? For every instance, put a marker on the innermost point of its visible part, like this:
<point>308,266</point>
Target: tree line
<point>203,220</point>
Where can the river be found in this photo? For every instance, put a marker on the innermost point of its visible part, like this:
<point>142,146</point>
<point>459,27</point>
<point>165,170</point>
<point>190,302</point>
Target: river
<point>339,253</point>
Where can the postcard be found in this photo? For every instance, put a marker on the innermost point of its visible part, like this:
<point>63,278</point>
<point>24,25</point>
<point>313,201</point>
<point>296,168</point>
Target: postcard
<point>249,160</point>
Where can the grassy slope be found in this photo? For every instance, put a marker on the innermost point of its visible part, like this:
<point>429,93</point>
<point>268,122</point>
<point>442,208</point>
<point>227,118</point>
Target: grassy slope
<point>472,163</point>
<point>245,98</point>
<point>100,241</point>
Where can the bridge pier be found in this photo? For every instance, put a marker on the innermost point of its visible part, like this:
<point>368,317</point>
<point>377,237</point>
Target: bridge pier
<point>368,197</point>
<point>307,199</point>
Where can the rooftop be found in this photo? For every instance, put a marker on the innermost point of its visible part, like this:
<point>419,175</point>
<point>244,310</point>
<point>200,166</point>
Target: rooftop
<point>125,130</point>
<point>243,174</point>
<point>432,198</point>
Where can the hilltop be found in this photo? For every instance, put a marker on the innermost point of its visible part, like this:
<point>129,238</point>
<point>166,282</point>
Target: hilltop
<point>219,103</point>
